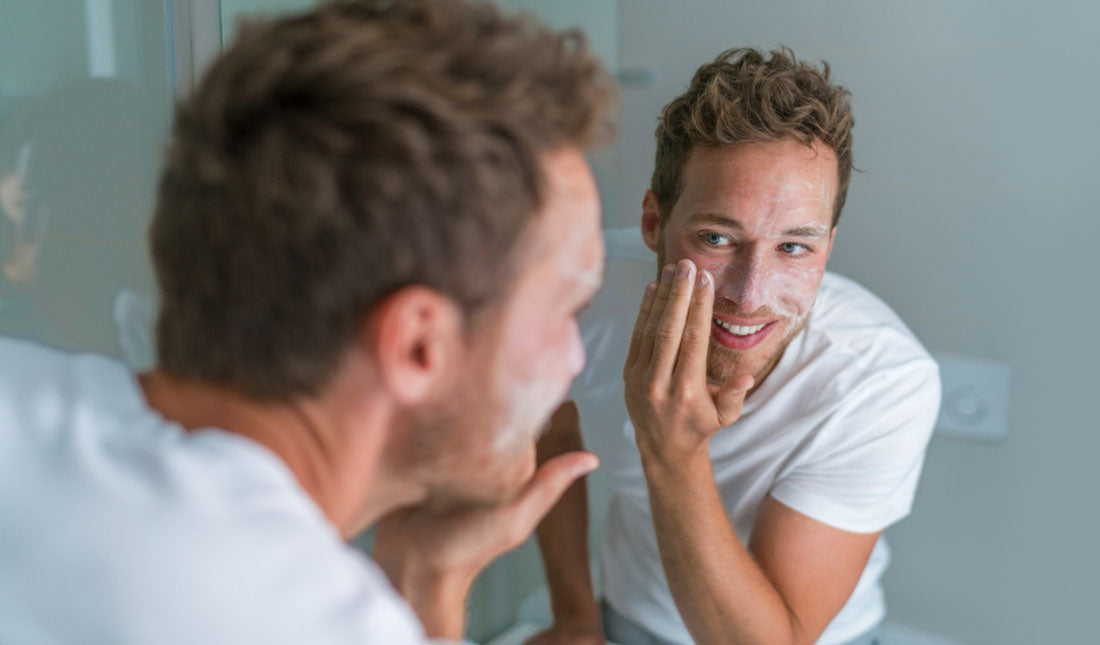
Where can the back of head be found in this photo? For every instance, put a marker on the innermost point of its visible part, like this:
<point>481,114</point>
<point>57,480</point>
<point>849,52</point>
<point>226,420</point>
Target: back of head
<point>331,158</point>
<point>744,96</point>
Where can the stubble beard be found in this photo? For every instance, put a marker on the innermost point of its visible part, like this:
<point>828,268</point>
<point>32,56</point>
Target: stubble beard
<point>724,363</point>
<point>449,448</point>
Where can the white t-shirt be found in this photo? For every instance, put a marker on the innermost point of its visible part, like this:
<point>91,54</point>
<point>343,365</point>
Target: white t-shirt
<point>836,432</point>
<point>117,527</point>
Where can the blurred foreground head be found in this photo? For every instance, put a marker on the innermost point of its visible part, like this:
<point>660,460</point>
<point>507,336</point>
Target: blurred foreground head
<point>389,202</point>
<point>330,159</point>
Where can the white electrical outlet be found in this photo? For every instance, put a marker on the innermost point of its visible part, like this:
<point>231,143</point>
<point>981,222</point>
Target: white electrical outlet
<point>975,398</point>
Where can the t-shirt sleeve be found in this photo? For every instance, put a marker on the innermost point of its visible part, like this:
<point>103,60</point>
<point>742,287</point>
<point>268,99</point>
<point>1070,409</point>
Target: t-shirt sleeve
<point>860,472</point>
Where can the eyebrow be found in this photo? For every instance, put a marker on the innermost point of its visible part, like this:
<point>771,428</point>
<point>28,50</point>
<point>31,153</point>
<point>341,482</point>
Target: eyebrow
<point>717,219</point>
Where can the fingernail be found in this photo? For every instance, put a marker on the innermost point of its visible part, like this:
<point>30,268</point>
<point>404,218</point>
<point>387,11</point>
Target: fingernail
<point>666,275</point>
<point>651,288</point>
<point>704,278</point>
<point>588,466</point>
<point>683,270</point>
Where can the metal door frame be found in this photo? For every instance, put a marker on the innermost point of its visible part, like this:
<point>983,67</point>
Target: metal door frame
<point>196,32</point>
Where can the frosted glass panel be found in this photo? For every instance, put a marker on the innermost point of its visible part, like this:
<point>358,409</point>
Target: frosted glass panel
<point>85,96</point>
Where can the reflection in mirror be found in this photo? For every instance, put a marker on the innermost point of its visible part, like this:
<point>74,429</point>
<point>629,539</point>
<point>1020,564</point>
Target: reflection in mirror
<point>80,133</point>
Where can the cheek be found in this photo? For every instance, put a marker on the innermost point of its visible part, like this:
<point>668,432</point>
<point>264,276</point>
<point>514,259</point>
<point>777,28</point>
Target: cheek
<point>551,357</point>
<point>797,287</point>
<point>560,359</point>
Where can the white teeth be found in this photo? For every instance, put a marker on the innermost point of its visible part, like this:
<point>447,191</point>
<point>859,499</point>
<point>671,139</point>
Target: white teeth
<point>737,330</point>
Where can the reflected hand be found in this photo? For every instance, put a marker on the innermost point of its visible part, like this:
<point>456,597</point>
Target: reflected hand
<point>673,408</point>
<point>569,635</point>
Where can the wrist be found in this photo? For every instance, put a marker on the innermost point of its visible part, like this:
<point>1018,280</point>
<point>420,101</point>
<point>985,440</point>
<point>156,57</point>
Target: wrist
<point>439,601</point>
<point>578,615</point>
<point>574,631</point>
<point>673,459</point>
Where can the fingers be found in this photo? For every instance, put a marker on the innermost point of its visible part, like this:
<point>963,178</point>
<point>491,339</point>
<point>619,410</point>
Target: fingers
<point>656,308</point>
<point>691,367</point>
<point>665,328</point>
<point>547,485</point>
<point>639,324</point>
<point>730,398</point>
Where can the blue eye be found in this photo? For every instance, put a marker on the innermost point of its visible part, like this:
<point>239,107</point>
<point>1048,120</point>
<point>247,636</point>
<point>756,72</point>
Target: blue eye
<point>714,239</point>
<point>793,249</point>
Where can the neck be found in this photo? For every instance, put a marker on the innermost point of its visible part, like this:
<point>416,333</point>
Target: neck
<point>332,444</point>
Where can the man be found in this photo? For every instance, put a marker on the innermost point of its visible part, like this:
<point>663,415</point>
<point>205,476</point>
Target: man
<point>775,415</point>
<point>374,230</point>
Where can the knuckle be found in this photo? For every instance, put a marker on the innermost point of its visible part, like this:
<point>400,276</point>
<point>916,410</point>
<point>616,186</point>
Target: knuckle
<point>667,333</point>
<point>683,394</point>
<point>696,335</point>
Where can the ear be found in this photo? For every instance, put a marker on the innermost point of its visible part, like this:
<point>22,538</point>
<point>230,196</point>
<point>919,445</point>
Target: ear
<point>832,238</point>
<point>415,337</point>
<point>651,221</point>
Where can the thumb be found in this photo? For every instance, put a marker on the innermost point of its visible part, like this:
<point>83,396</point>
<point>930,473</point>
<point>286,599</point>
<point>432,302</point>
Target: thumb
<point>730,397</point>
<point>548,484</point>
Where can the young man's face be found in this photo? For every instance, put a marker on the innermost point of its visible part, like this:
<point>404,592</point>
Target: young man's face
<point>759,218</point>
<point>531,348</point>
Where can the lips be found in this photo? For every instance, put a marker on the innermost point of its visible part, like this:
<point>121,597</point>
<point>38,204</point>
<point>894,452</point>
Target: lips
<point>744,336</point>
<point>739,330</point>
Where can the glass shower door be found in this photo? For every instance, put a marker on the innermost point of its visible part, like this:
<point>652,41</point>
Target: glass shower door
<point>86,90</point>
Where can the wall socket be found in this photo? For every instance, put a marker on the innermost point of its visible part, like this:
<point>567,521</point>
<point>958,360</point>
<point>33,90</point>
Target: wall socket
<point>975,398</point>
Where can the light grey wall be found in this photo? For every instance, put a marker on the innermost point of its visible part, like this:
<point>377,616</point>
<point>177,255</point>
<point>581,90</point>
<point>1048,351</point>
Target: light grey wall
<point>234,10</point>
<point>974,218</point>
<point>23,25</point>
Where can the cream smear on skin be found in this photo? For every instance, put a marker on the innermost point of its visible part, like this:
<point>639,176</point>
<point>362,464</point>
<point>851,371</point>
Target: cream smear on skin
<point>530,400</point>
<point>788,290</point>
<point>750,217</point>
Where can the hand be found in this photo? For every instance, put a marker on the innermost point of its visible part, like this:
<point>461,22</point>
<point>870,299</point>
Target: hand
<point>673,408</point>
<point>432,555</point>
<point>559,634</point>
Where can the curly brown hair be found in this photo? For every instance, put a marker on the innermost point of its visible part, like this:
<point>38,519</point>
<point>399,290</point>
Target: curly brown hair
<point>745,97</point>
<point>330,158</point>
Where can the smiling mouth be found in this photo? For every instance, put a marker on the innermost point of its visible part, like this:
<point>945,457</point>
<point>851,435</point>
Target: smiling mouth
<point>740,337</point>
<point>737,330</point>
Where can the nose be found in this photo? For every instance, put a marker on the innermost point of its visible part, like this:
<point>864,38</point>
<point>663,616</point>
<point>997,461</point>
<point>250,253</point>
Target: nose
<point>744,281</point>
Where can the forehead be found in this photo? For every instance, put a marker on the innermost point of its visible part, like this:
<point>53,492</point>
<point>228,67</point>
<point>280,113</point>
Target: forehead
<point>760,182</point>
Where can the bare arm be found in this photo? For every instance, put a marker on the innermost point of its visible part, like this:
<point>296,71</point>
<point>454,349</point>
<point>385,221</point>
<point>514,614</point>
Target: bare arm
<point>563,542</point>
<point>799,572</point>
<point>785,588</point>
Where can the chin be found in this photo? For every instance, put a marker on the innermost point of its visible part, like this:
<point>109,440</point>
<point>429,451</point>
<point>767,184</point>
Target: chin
<point>497,482</point>
<point>724,363</point>
<point>519,472</point>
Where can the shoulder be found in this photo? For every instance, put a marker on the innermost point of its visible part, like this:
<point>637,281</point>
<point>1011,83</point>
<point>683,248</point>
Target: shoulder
<point>863,346</point>
<point>260,563</point>
<point>44,391</point>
